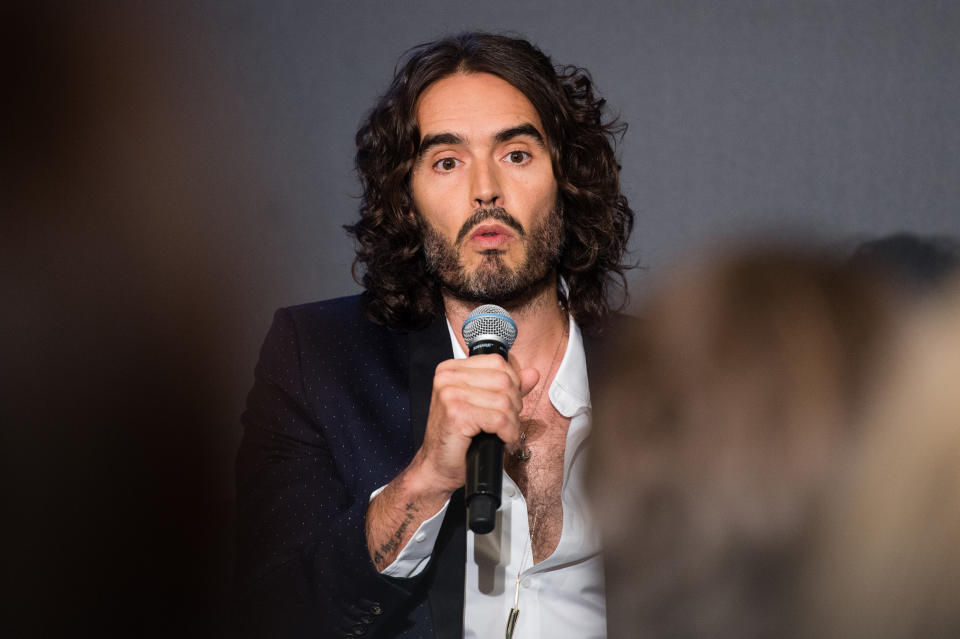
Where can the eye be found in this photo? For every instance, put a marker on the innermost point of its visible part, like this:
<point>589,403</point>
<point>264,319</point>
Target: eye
<point>517,157</point>
<point>445,165</point>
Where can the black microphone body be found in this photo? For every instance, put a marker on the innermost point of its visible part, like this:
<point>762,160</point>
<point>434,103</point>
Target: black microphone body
<point>487,330</point>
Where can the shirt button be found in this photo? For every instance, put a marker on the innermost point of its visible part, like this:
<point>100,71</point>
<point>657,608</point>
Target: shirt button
<point>420,536</point>
<point>510,491</point>
<point>526,582</point>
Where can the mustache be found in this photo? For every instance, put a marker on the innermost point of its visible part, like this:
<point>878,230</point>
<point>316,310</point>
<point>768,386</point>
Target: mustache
<point>497,213</point>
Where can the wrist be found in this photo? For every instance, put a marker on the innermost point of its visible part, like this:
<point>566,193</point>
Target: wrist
<point>421,480</point>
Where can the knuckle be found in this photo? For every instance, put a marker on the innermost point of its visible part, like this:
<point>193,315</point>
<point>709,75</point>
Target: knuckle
<point>442,375</point>
<point>504,381</point>
<point>451,407</point>
<point>454,410</point>
<point>447,395</point>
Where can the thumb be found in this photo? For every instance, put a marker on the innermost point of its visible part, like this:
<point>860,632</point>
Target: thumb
<point>528,380</point>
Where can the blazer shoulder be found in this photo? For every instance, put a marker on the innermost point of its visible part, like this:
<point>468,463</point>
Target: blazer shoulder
<point>340,316</point>
<point>336,310</point>
<point>337,343</point>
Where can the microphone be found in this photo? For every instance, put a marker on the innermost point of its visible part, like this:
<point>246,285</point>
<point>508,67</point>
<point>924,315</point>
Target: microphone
<point>488,329</point>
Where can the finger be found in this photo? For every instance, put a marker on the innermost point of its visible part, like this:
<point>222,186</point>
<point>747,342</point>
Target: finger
<point>492,362</point>
<point>469,410</point>
<point>501,379</point>
<point>506,426</point>
<point>470,420</point>
<point>460,403</point>
<point>528,380</point>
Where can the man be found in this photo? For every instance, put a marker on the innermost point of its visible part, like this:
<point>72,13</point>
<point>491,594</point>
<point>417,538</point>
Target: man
<point>488,177</point>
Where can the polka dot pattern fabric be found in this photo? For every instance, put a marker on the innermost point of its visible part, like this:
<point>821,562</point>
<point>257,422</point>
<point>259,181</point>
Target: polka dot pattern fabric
<point>327,422</point>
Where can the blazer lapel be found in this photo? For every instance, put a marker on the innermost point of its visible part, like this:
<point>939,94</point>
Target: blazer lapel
<point>428,348</point>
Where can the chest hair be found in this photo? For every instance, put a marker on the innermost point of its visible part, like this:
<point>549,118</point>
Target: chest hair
<point>540,478</point>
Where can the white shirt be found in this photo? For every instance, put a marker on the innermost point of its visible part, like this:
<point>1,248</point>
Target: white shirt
<point>561,596</point>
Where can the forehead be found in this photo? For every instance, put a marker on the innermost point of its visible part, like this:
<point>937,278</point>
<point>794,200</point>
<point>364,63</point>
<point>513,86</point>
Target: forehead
<point>473,104</point>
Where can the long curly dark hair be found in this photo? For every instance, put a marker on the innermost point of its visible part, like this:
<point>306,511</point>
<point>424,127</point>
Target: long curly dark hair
<point>400,291</point>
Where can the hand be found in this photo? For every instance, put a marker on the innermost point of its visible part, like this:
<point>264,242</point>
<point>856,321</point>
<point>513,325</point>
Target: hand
<point>479,393</point>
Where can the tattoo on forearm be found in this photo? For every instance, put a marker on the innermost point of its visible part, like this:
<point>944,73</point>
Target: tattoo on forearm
<point>380,555</point>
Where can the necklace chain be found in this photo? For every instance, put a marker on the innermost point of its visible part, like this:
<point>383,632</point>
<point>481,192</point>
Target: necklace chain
<point>515,611</point>
<point>524,453</point>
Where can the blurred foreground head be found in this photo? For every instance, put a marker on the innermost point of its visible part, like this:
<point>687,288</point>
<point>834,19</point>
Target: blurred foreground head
<point>918,265</point>
<point>718,431</point>
<point>887,561</point>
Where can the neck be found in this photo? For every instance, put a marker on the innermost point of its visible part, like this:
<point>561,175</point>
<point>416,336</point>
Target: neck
<point>540,324</point>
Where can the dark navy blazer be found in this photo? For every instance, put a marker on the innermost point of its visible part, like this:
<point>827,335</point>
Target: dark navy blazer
<point>338,408</point>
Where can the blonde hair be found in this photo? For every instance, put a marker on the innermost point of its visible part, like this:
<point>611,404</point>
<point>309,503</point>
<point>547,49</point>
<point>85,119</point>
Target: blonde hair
<point>888,559</point>
<point>717,429</point>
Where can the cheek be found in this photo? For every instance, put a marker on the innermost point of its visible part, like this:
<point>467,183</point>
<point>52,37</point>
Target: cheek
<point>423,199</point>
<point>416,188</point>
<point>432,205</point>
<point>430,190</point>
<point>541,192</point>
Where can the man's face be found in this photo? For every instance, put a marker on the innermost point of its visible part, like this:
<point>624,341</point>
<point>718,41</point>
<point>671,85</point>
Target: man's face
<point>484,190</point>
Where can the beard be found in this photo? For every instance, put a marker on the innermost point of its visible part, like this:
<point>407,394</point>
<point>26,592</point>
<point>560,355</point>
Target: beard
<point>492,280</point>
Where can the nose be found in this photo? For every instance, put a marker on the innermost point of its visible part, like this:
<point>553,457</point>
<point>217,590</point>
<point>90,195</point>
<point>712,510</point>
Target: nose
<point>485,187</point>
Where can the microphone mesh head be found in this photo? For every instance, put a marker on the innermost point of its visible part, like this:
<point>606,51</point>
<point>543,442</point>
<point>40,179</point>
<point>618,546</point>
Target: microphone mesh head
<point>489,322</point>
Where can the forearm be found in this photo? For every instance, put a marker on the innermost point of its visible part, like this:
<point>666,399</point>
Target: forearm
<point>398,510</point>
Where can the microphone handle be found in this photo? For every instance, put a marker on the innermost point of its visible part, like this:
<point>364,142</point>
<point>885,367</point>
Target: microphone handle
<point>484,464</point>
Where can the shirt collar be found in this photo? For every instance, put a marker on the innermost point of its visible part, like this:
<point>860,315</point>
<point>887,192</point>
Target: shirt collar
<point>570,391</point>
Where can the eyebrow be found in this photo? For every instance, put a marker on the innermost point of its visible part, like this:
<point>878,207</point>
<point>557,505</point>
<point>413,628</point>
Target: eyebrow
<point>518,131</point>
<point>437,139</point>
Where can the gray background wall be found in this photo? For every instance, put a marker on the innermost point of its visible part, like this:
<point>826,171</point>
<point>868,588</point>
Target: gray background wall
<point>839,118</point>
<point>179,171</point>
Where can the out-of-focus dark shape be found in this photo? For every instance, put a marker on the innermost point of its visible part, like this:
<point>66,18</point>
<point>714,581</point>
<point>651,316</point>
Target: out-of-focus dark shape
<point>113,397</point>
<point>886,563</point>
<point>719,431</point>
<point>918,264</point>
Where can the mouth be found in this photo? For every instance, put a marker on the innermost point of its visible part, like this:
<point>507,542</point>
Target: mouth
<point>492,221</point>
<point>490,236</point>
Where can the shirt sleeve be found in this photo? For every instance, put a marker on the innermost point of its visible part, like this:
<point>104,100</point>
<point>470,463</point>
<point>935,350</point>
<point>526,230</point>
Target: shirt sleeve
<point>415,556</point>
